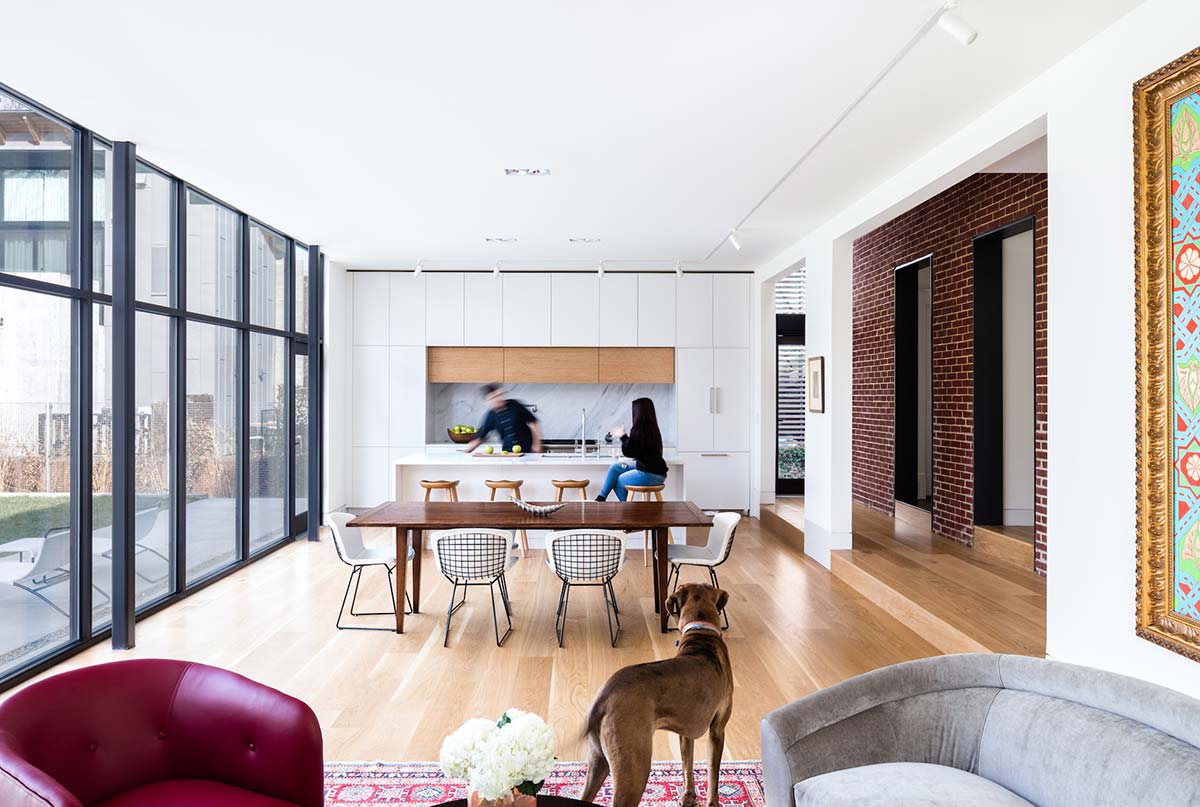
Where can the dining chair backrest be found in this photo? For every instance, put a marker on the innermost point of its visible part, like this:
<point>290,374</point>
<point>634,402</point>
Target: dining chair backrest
<point>720,535</point>
<point>472,554</point>
<point>347,540</point>
<point>586,554</point>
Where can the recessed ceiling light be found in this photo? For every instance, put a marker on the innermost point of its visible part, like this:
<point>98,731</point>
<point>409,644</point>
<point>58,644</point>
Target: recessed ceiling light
<point>584,240</point>
<point>526,172</point>
<point>500,239</point>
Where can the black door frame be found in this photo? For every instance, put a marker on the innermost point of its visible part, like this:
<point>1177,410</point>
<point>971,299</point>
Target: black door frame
<point>906,378</point>
<point>789,330</point>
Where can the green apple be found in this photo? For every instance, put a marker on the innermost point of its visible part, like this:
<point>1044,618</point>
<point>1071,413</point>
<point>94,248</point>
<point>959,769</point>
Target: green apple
<point>488,449</point>
<point>516,450</point>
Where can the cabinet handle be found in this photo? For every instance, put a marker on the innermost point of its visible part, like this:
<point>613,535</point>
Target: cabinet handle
<point>714,454</point>
<point>711,406</point>
<point>717,399</point>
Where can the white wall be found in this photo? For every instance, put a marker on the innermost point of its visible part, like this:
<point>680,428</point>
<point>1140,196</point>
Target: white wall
<point>1017,377</point>
<point>1084,106</point>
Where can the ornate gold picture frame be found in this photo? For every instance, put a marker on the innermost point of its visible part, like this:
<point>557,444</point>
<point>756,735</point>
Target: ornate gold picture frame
<point>1166,144</point>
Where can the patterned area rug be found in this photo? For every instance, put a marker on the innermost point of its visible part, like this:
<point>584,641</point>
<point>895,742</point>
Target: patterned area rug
<point>423,784</point>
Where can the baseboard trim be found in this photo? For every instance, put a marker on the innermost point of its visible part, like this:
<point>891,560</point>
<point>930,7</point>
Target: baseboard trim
<point>820,543</point>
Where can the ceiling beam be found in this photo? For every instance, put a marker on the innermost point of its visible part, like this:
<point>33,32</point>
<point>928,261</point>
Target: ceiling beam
<point>37,138</point>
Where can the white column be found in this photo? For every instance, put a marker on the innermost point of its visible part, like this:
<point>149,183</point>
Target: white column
<point>828,435</point>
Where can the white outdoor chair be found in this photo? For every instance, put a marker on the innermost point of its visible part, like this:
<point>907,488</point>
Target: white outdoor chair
<point>586,558</point>
<point>354,553</point>
<point>475,557</point>
<point>709,556</point>
<point>52,566</point>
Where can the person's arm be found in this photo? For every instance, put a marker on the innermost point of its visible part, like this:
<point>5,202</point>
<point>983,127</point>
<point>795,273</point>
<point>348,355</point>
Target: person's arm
<point>485,429</point>
<point>535,429</point>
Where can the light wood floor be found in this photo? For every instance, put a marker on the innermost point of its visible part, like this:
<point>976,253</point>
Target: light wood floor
<point>380,696</point>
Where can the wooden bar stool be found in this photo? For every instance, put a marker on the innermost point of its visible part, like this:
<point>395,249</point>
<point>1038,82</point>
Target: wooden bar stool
<point>570,484</point>
<point>448,485</point>
<point>647,491</point>
<point>515,486</point>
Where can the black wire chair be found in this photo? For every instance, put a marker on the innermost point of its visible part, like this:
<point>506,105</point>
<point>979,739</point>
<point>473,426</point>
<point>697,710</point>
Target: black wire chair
<point>476,557</point>
<point>354,553</point>
<point>586,558</point>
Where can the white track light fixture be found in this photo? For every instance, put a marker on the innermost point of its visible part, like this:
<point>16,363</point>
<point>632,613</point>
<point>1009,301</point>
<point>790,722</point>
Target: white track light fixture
<point>496,269</point>
<point>600,269</point>
<point>733,239</point>
<point>678,269</point>
<point>419,268</point>
<point>955,25</point>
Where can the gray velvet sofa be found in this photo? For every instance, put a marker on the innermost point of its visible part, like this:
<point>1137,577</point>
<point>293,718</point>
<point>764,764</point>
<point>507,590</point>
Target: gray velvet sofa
<point>978,729</point>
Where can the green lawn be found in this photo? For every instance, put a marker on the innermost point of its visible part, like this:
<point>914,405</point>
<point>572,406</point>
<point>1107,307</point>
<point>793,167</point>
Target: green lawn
<point>30,516</point>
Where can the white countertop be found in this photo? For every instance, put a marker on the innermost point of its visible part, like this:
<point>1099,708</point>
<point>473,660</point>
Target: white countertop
<point>438,455</point>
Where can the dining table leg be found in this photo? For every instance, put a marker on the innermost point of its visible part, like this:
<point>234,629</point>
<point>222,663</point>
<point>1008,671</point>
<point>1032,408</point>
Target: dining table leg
<point>401,575</point>
<point>418,545</point>
<point>660,576</point>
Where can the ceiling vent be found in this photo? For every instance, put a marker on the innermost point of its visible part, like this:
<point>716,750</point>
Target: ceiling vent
<point>526,172</point>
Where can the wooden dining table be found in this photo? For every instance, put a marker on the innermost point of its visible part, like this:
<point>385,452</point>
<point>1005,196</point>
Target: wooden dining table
<point>411,520</point>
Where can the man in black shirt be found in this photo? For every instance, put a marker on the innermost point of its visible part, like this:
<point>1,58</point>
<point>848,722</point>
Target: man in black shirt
<point>515,423</point>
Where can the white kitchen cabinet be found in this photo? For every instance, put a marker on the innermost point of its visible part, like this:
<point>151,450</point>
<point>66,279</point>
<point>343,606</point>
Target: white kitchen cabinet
<point>712,399</point>
<point>370,308</point>
<point>575,309</point>
<point>694,311</point>
<point>483,304</point>
<point>444,308</point>
<point>619,309</point>
<point>526,315</point>
<point>406,396</point>
<point>731,310</point>
<point>731,399</point>
<point>656,309</point>
<point>717,480</point>
<point>406,311</point>
<point>694,399</point>
<point>370,482</point>
<point>369,418</point>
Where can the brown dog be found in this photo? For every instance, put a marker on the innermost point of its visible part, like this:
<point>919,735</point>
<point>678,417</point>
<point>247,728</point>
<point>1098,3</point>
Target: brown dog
<point>689,694</point>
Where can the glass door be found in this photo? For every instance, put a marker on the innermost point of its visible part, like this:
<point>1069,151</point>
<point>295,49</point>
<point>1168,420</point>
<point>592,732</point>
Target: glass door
<point>300,440</point>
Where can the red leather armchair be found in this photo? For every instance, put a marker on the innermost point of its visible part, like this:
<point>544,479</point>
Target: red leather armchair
<point>158,733</point>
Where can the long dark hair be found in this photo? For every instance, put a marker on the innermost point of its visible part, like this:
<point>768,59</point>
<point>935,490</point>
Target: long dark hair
<point>645,425</point>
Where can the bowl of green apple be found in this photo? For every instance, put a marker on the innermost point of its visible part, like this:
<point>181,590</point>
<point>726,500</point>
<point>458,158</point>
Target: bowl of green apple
<point>461,433</point>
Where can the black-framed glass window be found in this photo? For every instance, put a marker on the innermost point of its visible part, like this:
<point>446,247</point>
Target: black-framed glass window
<point>214,247</point>
<point>147,379</point>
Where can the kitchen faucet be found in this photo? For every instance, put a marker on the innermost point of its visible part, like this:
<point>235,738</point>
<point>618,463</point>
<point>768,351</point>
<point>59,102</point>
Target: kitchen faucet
<point>583,436</point>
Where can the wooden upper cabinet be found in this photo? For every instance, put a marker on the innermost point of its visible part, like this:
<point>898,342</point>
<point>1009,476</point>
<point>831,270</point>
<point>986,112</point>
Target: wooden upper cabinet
<point>551,365</point>
<point>637,365</point>
<point>478,365</point>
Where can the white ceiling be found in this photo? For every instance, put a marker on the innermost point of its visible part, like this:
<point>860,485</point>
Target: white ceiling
<point>381,130</point>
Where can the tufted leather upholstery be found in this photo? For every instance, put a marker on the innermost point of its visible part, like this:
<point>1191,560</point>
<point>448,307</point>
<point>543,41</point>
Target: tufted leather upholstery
<point>157,733</point>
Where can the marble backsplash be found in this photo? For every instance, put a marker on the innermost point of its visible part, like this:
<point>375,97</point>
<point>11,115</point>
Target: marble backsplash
<point>559,407</point>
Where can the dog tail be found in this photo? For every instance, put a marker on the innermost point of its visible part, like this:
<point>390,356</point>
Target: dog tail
<point>591,731</point>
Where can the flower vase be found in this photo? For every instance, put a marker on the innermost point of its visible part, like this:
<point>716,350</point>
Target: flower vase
<point>516,799</point>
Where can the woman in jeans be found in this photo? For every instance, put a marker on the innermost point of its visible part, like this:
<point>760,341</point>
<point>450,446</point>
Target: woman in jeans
<point>643,445</point>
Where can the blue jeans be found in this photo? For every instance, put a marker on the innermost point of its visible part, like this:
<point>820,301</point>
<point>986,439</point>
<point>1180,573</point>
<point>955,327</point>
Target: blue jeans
<point>621,474</point>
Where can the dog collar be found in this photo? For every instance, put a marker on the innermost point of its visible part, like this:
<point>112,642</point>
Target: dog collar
<point>699,626</point>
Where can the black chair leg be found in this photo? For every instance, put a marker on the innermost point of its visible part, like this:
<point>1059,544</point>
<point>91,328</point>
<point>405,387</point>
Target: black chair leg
<point>504,594</point>
<point>451,608</point>
<point>495,621</point>
<point>560,624</point>
<point>612,591</point>
<point>353,580</point>
<point>712,575</point>
<point>612,634</point>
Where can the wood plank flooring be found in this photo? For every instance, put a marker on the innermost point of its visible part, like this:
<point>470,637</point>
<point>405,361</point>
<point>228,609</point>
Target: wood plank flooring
<point>794,628</point>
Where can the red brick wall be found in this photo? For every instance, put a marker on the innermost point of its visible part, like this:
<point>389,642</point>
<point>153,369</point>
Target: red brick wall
<point>944,227</point>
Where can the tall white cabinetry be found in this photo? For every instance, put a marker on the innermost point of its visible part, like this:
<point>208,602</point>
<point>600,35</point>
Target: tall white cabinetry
<point>526,314</point>
<point>712,388</point>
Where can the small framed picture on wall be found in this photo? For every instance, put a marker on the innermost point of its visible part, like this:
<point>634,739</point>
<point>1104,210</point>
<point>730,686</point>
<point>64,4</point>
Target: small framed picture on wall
<point>816,384</point>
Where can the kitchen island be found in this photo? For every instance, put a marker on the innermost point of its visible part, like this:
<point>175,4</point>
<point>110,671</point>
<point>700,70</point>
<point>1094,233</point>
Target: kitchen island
<point>534,470</point>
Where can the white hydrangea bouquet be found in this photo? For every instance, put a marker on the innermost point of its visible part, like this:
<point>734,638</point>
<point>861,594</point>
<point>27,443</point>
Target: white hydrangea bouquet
<point>501,761</point>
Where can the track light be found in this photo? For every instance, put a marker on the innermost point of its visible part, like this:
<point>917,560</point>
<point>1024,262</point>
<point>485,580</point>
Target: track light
<point>955,25</point>
<point>496,269</point>
<point>733,239</point>
<point>600,269</point>
<point>419,268</point>
<point>678,269</point>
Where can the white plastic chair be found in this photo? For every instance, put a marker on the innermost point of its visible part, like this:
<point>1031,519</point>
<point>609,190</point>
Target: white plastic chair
<point>586,558</point>
<point>710,556</point>
<point>475,557</point>
<point>357,555</point>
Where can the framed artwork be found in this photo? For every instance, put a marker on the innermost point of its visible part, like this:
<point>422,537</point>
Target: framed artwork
<point>816,384</point>
<point>1167,287</point>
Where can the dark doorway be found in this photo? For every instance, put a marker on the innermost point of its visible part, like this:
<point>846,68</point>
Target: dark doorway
<point>1004,388</point>
<point>790,404</point>
<point>914,384</point>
